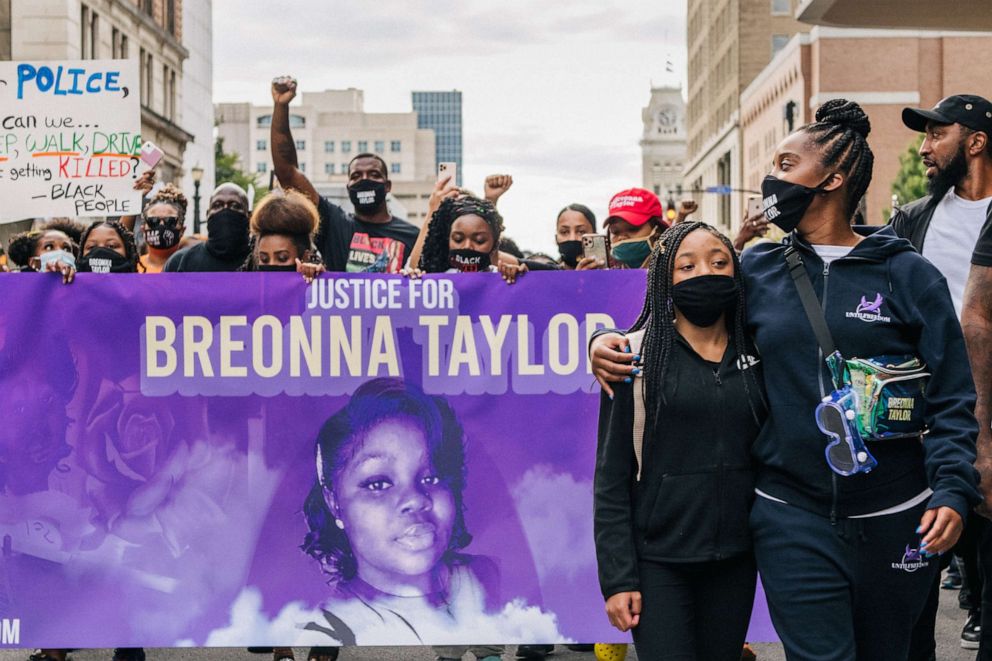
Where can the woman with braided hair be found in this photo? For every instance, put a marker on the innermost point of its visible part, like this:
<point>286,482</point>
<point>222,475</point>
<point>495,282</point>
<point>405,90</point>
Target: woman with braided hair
<point>108,247</point>
<point>463,237</point>
<point>846,541</point>
<point>164,223</point>
<point>674,481</point>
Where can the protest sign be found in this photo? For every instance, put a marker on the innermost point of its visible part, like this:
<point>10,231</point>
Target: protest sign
<point>178,460</point>
<point>70,137</point>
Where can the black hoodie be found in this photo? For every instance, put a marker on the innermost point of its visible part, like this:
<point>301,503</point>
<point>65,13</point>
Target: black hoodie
<point>915,316</point>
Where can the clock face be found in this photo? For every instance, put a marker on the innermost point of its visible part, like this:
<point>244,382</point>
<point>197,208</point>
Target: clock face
<point>667,117</point>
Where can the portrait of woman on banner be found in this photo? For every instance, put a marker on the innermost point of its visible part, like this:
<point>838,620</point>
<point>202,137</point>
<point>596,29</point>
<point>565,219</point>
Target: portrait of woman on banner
<point>386,521</point>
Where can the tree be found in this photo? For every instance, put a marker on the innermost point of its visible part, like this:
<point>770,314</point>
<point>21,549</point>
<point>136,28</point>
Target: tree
<point>227,170</point>
<point>911,181</point>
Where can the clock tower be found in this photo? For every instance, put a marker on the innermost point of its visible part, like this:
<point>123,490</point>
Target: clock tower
<point>663,144</point>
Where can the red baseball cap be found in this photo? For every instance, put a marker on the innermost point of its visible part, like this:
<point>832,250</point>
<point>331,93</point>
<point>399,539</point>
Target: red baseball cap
<point>635,205</point>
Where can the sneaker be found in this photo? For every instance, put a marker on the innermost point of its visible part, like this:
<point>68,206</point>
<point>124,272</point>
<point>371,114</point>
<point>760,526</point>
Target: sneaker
<point>971,635</point>
<point>952,581</point>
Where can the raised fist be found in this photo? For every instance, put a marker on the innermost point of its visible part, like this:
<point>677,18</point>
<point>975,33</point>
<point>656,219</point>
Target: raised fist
<point>283,89</point>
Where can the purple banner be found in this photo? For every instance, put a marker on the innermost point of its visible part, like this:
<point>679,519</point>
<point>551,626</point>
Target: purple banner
<point>241,459</point>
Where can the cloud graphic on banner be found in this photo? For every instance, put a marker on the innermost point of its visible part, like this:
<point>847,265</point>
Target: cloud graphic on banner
<point>555,510</point>
<point>517,622</point>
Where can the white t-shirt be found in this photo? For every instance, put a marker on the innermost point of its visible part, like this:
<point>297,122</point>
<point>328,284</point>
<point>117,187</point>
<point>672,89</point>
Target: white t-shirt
<point>951,238</point>
<point>829,253</point>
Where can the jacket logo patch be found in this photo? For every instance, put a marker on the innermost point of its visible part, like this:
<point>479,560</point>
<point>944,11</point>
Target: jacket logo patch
<point>870,312</point>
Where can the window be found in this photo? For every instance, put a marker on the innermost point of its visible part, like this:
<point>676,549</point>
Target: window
<point>303,168</point>
<point>344,168</point>
<point>779,42</point>
<point>363,146</point>
<point>262,168</point>
<point>148,6</point>
<point>395,168</point>
<point>264,121</point>
<point>328,146</point>
<point>170,17</point>
<point>781,7</point>
<point>395,146</point>
<point>328,168</point>
<point>89,34</point>
<point>380,146</point>
<point>261,145</point>
<point>301,145</point>
<point>123,47</point>
<point>346,146</point>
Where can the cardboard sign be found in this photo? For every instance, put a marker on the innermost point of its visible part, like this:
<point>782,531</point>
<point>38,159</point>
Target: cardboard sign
<point>70,139</point>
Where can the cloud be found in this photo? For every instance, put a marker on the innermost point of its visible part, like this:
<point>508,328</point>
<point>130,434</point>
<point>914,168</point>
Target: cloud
<point>249,625</point>
<point>556,513</point>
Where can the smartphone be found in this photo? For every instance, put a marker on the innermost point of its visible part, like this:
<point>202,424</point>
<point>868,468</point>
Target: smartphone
<point>448,169</point>
<point>151,154</point>
<point>594,245</point>
<point>754,206</point>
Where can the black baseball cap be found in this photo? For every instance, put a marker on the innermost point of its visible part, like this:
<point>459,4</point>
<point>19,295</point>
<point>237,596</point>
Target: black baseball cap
<point>968,110</point>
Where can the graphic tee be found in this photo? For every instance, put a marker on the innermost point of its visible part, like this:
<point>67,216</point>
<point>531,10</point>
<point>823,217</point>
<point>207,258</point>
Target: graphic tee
<point>355,246</point>
<point>953,232</point>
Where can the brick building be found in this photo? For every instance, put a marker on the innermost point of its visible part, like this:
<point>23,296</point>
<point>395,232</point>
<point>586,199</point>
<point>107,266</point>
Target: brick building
<point>907,68</point>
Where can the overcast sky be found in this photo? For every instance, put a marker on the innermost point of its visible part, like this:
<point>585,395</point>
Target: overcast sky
<point>551,92</point>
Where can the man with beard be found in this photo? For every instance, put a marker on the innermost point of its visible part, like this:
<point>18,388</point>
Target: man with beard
<point>227,244</point>
<point>952,227</point>
<point>371,240</point>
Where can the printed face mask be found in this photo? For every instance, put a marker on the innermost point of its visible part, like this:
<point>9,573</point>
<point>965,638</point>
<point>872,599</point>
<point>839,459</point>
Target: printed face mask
<point>367,195</point>
<point>468,261</point>
<point>570,252</point>
<point>104,260</point>
<point>785,203</point>
<point>632,252</point>
<point>162,233</point>
<point>702,299</point>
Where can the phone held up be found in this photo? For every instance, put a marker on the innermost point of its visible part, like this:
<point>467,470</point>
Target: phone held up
<point>448,170</point>
<point>595,245</point>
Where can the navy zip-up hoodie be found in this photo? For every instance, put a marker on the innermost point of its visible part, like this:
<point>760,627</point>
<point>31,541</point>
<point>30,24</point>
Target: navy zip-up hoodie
<point>915,316</point>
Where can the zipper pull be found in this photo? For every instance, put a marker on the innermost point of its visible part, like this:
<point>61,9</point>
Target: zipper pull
<point>716,375</point>
<point>826,269</point>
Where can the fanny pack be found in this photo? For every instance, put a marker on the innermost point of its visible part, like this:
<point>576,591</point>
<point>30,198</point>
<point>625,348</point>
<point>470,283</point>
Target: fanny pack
<point>874,399</point>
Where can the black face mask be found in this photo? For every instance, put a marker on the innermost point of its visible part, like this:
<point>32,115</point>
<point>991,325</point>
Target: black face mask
<point>104,260</point>
<point>367,195</point>
<point>468,261</point>
<point>277,267</point>
<point>162,238</point>
<point>570,252</point>
<point>702,299</point>
<point>227,235</point>
<point>785,203</point>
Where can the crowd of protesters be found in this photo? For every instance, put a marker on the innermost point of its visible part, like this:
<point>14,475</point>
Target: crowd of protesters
<point>690,505</point>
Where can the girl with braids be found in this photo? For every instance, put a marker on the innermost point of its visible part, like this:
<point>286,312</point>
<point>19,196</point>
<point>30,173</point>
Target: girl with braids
<point>163,220</point>
<point>463,237</point>
<point>107,247</point>
<point>673,487</point>
<point>847,560</point>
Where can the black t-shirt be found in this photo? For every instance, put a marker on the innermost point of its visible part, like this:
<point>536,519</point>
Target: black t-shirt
<point>352,245</point>
<point>197,259</point>
<point>982,256</point>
